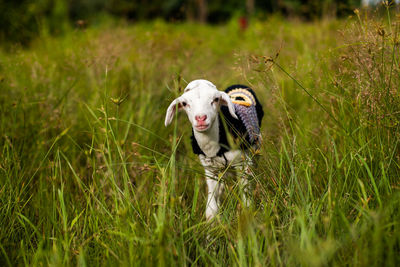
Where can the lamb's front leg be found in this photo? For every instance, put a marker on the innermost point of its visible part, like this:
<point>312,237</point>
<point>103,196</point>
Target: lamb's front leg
<point>244,172</point>
<point>214,190</point>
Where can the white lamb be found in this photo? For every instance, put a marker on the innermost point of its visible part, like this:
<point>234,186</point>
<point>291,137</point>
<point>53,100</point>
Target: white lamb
<point>242,114</point>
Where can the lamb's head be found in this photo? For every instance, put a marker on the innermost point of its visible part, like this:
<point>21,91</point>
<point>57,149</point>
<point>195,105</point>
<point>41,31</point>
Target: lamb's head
<point>201,100</point>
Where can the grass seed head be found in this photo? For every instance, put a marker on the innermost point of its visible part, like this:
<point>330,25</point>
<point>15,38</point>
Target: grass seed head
<point>381,32</point>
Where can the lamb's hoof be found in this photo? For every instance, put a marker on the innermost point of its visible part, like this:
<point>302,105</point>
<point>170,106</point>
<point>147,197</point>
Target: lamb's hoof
<point>246,203</point>
<point>210,217</point>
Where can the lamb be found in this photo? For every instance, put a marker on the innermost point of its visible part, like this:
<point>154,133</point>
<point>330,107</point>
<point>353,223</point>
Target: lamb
<point>241,113</point>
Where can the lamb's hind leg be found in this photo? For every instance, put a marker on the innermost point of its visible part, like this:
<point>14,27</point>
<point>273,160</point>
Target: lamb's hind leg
<point>214,190</point>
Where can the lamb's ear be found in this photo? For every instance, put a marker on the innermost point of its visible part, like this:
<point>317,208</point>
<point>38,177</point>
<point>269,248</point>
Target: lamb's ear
<point>226,100</point>
<point>172,110</point>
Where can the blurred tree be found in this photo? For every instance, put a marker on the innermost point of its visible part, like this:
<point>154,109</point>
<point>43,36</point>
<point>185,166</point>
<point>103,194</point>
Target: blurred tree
<point>16,25</point>
<point>203,12</point>
<point>83,9</point>
<point>250,7</point>
<point>313,9</point>
<point>21,20</point>
<point>220,10</point>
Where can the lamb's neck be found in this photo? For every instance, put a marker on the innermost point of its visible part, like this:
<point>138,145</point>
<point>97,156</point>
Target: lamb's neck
<point>209,141</point>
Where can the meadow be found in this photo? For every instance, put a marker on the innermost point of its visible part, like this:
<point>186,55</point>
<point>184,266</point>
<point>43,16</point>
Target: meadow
<point>89,174</point>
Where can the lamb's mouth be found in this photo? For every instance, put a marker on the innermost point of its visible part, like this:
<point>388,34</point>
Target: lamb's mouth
<point>202,127</point>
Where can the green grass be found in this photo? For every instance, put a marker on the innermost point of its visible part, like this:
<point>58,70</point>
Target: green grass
<point>89,175</point>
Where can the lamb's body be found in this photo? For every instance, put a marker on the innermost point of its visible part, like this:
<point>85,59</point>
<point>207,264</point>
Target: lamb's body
<point>241,116</point>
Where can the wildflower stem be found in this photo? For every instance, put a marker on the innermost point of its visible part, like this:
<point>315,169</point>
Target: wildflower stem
<point>357,12</point>
<point>383,61</point>
<point>393,58</point>
<point>389,20</point>
<point>316,100</point>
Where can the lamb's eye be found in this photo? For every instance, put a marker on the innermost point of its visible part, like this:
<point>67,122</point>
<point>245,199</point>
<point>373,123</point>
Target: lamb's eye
<point>216,99</point>
<point>184,104</point>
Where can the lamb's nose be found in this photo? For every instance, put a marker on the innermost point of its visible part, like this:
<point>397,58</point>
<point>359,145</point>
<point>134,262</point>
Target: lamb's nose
<point>201,118</point>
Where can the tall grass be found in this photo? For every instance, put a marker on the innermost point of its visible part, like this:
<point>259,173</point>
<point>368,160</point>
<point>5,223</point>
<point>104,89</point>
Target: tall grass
<point>90,176</point>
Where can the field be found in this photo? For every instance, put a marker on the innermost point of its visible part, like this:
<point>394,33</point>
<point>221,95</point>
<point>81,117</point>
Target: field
<point>89,174</point>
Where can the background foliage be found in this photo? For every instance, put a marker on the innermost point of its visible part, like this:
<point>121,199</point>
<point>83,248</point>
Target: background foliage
<point>22,20</point>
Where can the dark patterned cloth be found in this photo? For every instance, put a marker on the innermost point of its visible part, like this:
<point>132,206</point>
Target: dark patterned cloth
<point>246,129</point>
<point>248,115</point>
